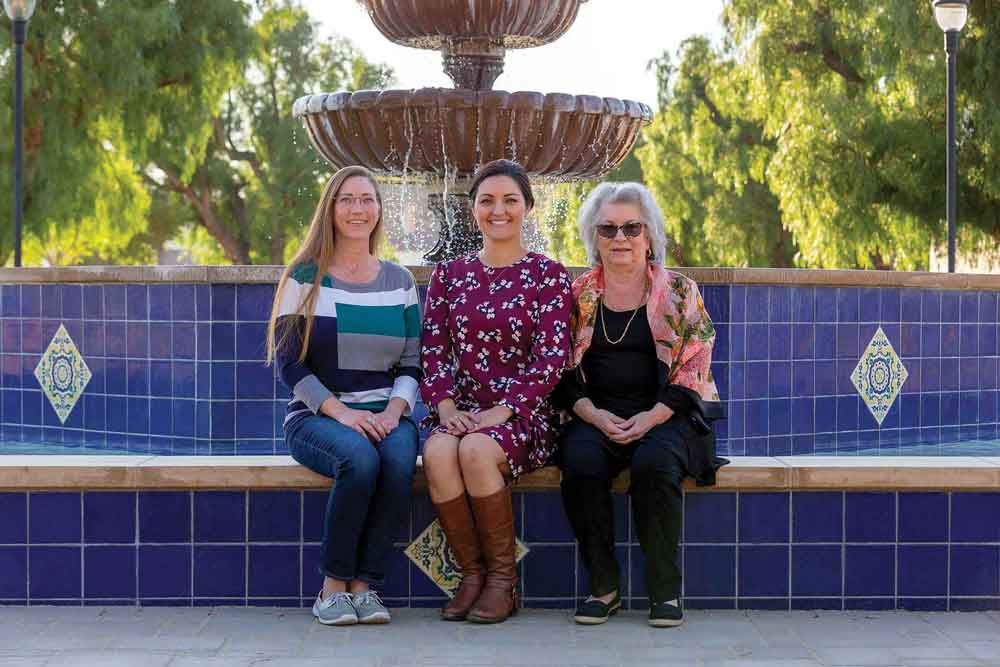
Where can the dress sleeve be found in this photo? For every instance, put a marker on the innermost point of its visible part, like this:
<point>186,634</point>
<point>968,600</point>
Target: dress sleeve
<point>550,345</point>
<point>405,385</point>
<point>435,352</point>
<point>692,365</point>
<point>296,375</point>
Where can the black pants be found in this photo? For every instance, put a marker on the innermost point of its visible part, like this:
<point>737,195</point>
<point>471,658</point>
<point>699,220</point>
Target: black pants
<point>590,462</point>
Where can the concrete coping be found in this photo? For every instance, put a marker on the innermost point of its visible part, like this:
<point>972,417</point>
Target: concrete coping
<point>744,473</point>
<point>703,275</point>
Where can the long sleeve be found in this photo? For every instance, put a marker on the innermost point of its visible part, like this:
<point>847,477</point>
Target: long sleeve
<point>692,366</point>
<point>550,345</point>
<point>436,354</point>
<point>406,384</point>
<point>569,390</point>
<point>296,375</point>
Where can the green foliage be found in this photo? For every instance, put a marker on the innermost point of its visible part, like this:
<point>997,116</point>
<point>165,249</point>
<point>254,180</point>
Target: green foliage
<point>258,182</point>
<point>844,107</point>
<point>152,120</point>
<point>108,84</point>
<point>706,164</point>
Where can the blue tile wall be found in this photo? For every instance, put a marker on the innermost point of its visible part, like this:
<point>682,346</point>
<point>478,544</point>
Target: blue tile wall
<point>912,550</point>
<point>178,368</point>
<point>166,362</point>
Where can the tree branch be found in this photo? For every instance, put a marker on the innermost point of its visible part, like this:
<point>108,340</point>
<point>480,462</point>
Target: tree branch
<point>202,204</point>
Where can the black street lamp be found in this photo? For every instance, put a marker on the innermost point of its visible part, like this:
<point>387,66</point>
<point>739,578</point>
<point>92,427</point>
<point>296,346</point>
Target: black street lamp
<point>19,12</point>
<point>951,16</point>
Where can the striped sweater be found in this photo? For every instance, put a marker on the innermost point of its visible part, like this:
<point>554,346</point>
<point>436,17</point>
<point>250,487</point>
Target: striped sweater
<point>365,344</point>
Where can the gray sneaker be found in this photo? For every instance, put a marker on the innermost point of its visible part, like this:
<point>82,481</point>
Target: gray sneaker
<point>370,609</point>
<point>335,610</point>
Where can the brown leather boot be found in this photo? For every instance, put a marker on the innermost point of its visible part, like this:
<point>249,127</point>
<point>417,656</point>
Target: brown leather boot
<point>459,528</point>
<point>495,524</point>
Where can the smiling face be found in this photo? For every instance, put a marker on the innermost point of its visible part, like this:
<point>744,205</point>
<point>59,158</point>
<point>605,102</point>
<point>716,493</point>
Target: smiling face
<point>356,209</point>
<point>622,251</point>
<point>500,208</point>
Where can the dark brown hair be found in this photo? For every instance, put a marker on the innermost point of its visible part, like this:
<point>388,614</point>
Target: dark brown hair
<point>505,168</point>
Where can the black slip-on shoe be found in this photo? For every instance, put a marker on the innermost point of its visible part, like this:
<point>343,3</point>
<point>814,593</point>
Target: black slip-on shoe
<point>665,614</point>
<point>595,612</point>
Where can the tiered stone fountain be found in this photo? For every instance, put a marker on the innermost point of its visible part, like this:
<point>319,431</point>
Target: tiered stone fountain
<point>449,133</point>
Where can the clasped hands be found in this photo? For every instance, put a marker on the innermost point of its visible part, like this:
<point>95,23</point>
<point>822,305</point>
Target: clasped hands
<point>619,430</point>
<point>373,425</point>
<point>460,422</point>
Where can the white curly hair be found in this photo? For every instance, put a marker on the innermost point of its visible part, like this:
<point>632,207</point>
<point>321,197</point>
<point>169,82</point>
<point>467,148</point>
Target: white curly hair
<point>622,193</point>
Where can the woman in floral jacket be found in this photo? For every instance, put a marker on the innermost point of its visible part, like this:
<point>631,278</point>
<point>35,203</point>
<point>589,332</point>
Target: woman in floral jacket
<point>641,393</point>
<point>495,342</point>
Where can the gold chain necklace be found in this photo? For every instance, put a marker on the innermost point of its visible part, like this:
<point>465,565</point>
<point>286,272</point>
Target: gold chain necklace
<point>627,324</point>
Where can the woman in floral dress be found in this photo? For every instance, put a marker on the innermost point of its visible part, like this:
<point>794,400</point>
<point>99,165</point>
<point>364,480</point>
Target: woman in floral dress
<point>495,342</point>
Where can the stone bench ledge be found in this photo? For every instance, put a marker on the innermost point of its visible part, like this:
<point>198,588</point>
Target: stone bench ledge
<point>745,473</point>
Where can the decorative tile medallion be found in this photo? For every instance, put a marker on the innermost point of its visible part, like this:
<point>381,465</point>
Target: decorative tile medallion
<point>431,553</point>
<point>879,375</point>
<point>62,374</point>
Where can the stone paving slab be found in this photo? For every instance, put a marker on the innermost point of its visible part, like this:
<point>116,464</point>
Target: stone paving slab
<point>241,637</point>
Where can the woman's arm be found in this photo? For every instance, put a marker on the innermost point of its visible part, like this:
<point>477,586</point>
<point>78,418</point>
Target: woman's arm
<point>406,384</point>
<point>692,364</point>
<point>289,328</point>
<point>436,356</point>
<point>550,345</point>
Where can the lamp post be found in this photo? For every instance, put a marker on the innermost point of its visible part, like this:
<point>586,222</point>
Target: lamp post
<point>19,12</point>
<point>951,16</point>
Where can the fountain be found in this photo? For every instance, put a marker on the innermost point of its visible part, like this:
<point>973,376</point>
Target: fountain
<point>449,133</point>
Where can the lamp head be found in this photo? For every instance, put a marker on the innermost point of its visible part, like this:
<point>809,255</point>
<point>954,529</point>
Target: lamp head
<point>951,14</point>
<point>19,10</point>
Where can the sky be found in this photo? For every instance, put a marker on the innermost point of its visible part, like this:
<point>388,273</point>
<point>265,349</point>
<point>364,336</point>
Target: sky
<point>604,53</point>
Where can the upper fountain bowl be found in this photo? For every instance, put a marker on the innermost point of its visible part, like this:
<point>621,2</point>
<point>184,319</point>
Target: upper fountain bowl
<point>434,24</point>
<point>451,132</point>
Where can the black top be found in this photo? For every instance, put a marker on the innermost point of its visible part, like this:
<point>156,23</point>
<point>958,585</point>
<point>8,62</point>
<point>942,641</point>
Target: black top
<point>624,378</point>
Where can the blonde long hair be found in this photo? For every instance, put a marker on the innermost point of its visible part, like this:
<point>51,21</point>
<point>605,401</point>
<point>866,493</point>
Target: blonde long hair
<point>318,248</point>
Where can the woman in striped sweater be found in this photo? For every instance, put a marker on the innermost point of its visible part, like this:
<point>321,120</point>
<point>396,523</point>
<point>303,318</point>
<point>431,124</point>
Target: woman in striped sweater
<point>345,335</point>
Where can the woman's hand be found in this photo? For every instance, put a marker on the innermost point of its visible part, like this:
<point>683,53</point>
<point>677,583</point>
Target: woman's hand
<point>640,424</point>
<point>495,416</point>
<point>362,421</point>
<point>386,421</point>
<point>607,422</point>
<point>458,422</point>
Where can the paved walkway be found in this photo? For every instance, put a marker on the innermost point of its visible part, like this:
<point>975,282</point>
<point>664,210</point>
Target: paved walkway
<point>152,637</point>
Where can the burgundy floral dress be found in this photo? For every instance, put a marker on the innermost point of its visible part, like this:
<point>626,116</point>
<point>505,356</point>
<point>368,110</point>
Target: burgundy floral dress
<point>499,336</point>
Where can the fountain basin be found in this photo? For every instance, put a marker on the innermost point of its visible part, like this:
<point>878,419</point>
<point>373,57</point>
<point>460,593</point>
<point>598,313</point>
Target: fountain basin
<point>434,24</point>
<point>450,132</point>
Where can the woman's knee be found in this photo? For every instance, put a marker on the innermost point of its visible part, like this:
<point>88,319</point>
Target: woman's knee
<point>398,455</point>
<point>440,453</point>
<point>476,451</point>
<point>583,457</point>
<point>650,461</point>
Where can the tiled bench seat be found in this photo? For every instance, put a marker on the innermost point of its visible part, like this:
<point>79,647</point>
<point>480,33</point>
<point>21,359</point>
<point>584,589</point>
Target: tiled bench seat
<point>745,473</point>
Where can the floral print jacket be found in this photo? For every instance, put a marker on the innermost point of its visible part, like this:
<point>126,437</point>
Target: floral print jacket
<point>683,331</point>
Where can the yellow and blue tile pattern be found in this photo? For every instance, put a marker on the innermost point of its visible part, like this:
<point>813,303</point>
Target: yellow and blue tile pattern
<point>62,373</point>
<point>879,375</point>
<point>430,552</point>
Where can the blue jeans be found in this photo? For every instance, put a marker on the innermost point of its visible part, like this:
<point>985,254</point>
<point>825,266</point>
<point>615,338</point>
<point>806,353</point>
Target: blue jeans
<point>370,496</point>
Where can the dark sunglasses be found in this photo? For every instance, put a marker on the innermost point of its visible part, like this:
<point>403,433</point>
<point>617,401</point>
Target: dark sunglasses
<point>629,229</point>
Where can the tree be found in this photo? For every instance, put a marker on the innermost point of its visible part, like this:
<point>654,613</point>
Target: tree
<point>706,164</point>
<point>852,95</point>
<point>255,188</point>
<point>99,99</point>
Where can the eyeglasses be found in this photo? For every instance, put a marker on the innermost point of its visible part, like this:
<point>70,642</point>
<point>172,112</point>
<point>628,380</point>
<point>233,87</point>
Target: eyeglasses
<point>629,229</point>
<point>347,201</point>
